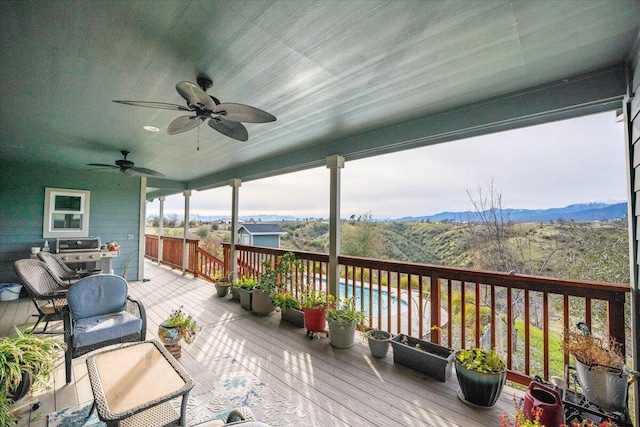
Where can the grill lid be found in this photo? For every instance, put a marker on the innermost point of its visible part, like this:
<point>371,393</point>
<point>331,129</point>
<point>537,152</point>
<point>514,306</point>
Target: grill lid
<point>79,244</point>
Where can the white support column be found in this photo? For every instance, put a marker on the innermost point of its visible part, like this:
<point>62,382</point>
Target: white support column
<point>235,194</point>
<point>141,227</point>
<point>185,250</point>
<point>160,229</point>
<point>334,164</point>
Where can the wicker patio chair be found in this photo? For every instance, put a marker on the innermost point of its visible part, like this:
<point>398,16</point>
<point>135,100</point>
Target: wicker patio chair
<point>44,288</point>
<point>100,313</point>
<point>59,268</point>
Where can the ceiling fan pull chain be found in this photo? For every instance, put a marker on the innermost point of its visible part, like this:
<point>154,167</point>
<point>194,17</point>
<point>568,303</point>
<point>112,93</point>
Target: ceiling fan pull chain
<point>198,149</point>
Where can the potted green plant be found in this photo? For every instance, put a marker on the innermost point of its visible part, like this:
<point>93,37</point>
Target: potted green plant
<point>290,308</point>
<point>26,363</point>
<point>245,287</point>
<point>265,290</point>
<point>343,320</point>
<point>423,356</point>
<point>481,376</point>
<point>378,341</point>
<point>600,368</point>
<point>314,305</point>
<point>222,283</point>
<point>179,325</point>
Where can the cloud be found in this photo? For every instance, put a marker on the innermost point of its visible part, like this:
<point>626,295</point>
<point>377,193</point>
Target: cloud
<point>551,165</point>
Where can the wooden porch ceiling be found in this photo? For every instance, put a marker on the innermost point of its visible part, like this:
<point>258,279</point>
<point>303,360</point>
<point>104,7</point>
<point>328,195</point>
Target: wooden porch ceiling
<point>344,387</point>
<point>348,77</point>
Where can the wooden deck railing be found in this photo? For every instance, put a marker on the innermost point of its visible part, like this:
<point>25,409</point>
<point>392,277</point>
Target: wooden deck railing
<point>171,251</point>
<point>208,266</point>
<point>524,317</point>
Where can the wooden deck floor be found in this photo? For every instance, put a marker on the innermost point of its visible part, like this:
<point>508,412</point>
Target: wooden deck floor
<point>345,387</point>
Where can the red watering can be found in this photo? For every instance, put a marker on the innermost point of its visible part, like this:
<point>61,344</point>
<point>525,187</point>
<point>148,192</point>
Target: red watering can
<point>540,396</point>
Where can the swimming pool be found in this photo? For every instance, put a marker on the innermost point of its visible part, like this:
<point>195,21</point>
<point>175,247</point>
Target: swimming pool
<point>366,295</point>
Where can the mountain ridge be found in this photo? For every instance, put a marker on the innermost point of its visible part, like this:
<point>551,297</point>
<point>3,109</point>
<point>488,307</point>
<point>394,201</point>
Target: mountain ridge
<point>594,211</point>
<point>591,211</point>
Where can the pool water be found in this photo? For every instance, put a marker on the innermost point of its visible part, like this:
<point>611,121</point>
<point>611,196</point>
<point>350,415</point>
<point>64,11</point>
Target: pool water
<point>363,296</point>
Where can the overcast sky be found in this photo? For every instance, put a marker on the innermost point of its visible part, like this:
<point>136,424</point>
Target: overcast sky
<point>553,165</point>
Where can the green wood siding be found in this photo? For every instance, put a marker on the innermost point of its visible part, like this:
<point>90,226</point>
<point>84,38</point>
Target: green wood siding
<point>270,241</point>
<point>114,212</point>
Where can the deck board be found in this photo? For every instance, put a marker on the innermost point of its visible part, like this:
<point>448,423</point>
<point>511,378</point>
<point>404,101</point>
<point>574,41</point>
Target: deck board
<point>336,387</point>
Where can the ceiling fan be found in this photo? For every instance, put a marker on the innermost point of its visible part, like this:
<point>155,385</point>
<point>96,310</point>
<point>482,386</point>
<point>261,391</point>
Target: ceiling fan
<point>126,167</point>
<point>224,117</point>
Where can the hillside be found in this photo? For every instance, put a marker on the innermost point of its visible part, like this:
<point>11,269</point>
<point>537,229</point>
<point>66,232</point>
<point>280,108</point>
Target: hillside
<point>585,250</point>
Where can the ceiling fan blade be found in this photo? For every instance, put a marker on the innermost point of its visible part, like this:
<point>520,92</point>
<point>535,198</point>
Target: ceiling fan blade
<point>183,124</point>
<point>233,130</point>
<point>161,105</point>
<point>102,165</point>
<point>243,113</point>
<point>195,96</point>
<point>145,171</point>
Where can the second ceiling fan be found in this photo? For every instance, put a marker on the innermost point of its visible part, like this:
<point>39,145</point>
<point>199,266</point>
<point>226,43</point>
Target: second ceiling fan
<point>225,117</point>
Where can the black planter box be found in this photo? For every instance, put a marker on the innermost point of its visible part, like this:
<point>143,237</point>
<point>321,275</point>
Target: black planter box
<point>293,316</point>
<point>245,298</point>
<point>430,359</point>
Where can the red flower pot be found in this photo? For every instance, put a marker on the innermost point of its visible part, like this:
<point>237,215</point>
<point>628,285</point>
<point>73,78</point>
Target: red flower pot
<point>315,319</point>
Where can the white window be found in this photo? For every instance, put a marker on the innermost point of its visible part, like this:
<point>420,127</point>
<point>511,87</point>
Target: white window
<point>66,213</point>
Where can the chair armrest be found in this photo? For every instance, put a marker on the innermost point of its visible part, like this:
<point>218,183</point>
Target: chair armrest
<point>67,319</point>
<point>136,308</point>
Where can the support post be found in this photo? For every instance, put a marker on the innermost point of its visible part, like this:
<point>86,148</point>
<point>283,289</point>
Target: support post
<point>160,229</point>
<point>141,226</point>
<point>185,249</point>
<point>334,164</point>
<point>235,184</point>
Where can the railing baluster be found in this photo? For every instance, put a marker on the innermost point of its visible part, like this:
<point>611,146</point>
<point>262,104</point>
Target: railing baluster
<point>493,316</point>
<point>478,326</point>
<point>463,315</point>
<point>436,320</point>
<point>509,329</point>
<point>420,307</point>
<point>527,322</point>
<point>545,332</point>
<point>450,311</point>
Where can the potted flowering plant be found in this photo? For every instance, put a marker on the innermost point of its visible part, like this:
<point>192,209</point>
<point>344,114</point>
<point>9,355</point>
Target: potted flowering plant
<point>179,325</point>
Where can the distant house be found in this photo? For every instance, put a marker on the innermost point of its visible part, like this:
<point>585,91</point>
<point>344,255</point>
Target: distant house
<point>260,235</point>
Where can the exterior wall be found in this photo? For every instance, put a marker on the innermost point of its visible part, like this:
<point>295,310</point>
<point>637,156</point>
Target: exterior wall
<point>114,212</point>
<point>270,241</point>
<point>632,116</point>
<point>244,238</point>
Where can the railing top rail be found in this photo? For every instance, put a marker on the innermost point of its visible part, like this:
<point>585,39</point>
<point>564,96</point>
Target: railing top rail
<point>313,256</point>
<point>173,238</point>
<point>581,288</point>
<point>521,281</point>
